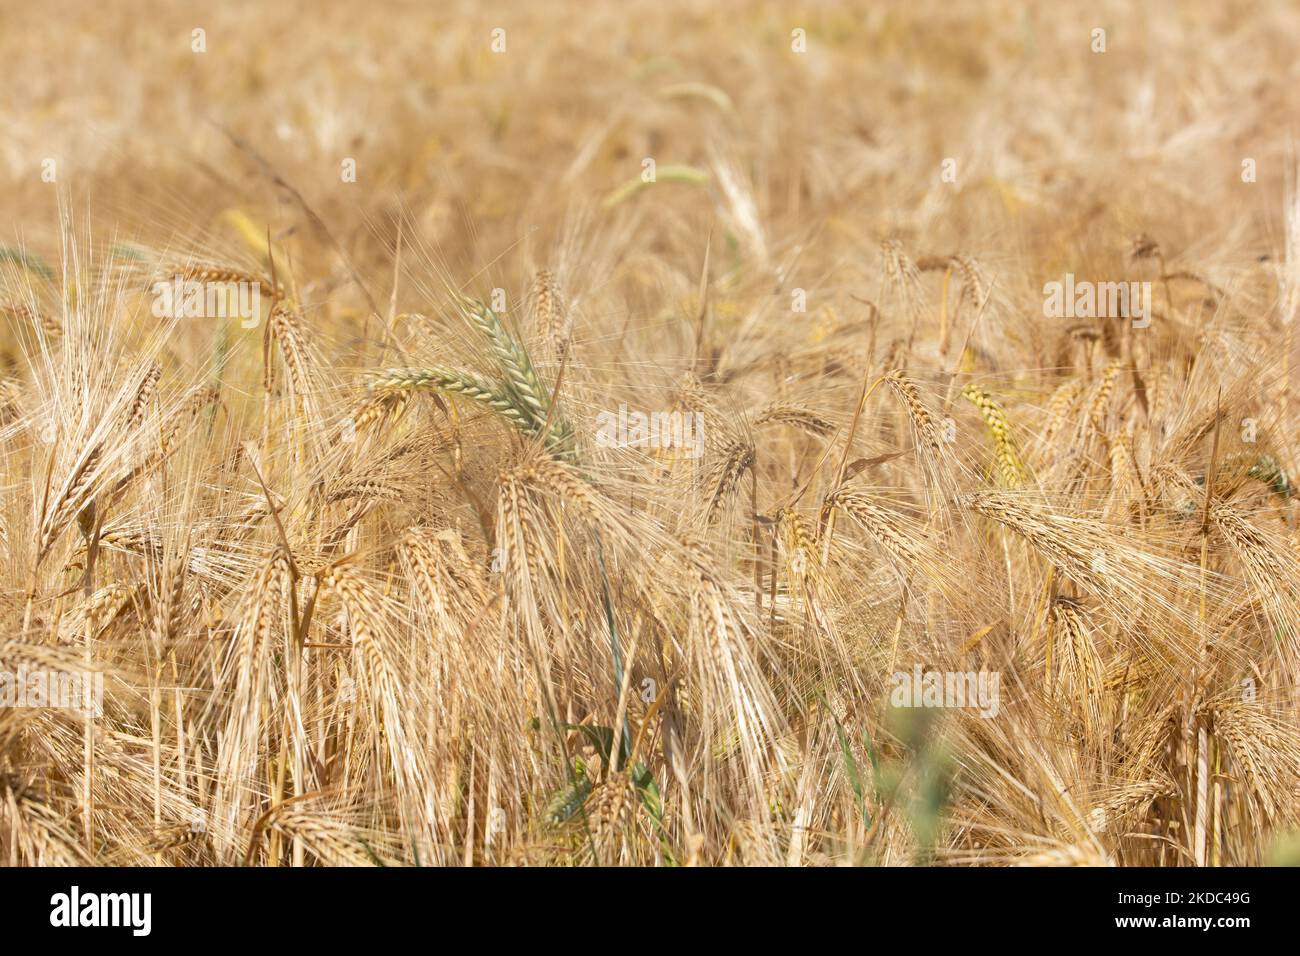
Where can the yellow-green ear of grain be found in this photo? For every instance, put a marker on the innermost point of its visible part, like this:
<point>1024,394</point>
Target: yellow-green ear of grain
<point>1011,469</point>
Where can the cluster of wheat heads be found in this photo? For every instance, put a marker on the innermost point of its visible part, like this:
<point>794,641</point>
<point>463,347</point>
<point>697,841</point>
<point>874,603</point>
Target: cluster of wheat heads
<point>414,613</point>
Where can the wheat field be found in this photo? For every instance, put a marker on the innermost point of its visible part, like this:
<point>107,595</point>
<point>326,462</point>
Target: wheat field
<point>649,434</point>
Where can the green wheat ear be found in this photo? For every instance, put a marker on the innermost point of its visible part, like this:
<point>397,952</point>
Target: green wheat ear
<point>521,380</point>
<point>520,376</point>
<point>519,397</point>
<point>28,260</point>
<point>564,804</point>
<point>473,387</point>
